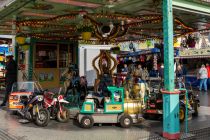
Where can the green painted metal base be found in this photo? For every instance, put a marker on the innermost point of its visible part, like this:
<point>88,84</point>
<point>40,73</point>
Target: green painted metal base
<point>171,124</point>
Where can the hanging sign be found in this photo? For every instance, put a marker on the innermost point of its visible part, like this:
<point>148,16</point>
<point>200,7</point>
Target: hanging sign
<point>194,52</point>
<point>148,44</point>
<point>135,46</point>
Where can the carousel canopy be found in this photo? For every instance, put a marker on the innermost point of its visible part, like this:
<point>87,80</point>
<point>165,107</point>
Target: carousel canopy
<point>108,20</point>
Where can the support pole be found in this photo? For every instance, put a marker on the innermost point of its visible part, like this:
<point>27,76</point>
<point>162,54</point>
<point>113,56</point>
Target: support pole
<point>171,128</point>
<point>14,45</point>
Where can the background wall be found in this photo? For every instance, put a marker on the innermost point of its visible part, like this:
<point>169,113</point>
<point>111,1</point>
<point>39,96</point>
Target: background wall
<point>86,55</point>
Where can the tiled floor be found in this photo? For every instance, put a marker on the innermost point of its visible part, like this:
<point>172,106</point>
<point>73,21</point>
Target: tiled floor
<point>11,129</point>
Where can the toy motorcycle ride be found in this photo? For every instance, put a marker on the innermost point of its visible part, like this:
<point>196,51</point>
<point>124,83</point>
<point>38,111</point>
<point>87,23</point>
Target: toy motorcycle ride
<point>154,102</point>
<point>55,105</point>
<point>193,103</point>
<point>33,109</point>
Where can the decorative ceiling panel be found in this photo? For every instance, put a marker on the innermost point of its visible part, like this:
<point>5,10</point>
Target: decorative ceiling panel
<point>136,19</point>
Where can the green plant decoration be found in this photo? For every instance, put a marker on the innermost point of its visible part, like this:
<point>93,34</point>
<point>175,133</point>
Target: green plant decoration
<point>115,50</point>
<point>85,27</point>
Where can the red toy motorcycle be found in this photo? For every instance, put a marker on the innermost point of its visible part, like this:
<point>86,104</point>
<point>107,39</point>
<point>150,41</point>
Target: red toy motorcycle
<point>55,105</point>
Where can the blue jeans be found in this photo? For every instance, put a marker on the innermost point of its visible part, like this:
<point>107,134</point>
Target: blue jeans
<point>180,82</point>
<point>203,82</point>
<point>208,82</point>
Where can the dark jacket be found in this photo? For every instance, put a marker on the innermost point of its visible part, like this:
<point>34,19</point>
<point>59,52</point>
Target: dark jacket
<point>179,73</point>
<point>11,74</point>
<point>161,72</point>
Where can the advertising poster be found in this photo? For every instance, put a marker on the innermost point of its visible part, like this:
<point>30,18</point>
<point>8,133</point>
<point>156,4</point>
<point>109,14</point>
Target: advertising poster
<point>43,77</point>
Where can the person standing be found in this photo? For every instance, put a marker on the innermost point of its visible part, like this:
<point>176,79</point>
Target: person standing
<point>138,71</point>
<point>203,74</point>
<point>208,70</point>
<point>184,69</point>
<point>145,74</point>
<point>10,76</point>
<point>179,76</point>
<point>125,69</point>
<point>161,71</point>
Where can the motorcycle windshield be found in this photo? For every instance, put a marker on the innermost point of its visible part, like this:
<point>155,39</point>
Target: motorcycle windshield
<point>24,87</point>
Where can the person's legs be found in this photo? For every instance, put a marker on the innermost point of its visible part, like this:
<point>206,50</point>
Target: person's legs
<point>205,84</point>
<point>180,84</point>
<point>208,82</point>
<point>8,90</point>
<point>201,84</point>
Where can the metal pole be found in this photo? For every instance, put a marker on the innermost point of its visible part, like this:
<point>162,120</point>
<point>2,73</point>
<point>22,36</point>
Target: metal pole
<point>14,45</point>
<point>171,124</point>
<point>186,111</point>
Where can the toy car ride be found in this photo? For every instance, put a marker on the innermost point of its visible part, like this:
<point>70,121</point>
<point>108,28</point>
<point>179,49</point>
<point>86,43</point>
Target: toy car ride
<point>113,111</point>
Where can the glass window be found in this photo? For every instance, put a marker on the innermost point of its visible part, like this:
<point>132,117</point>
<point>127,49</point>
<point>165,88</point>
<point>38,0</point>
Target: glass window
<point>65,55</point>
<point>46,55</point>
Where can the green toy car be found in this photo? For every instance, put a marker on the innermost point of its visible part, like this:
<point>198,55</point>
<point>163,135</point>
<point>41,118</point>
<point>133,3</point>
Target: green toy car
<point>112,111</point>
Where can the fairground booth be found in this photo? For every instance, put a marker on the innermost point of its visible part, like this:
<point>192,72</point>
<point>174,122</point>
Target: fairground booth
<point>193,51</point>
<point>45,61</point>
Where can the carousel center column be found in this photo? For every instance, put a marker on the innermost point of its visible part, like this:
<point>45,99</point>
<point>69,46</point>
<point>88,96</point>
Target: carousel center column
<point>171,126</point>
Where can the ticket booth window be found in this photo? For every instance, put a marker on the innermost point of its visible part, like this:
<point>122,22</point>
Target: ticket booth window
<point>65,55</point>
<point>46,56</point>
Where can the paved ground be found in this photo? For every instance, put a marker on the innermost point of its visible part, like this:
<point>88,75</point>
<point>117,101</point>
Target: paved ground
<point>11,129</point>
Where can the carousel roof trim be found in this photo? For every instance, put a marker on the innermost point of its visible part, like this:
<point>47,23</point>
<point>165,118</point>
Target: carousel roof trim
<point>130,20</point>
<point>190,6</point>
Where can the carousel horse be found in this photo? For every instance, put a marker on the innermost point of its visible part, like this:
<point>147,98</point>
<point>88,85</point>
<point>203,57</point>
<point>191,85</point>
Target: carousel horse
<point>75,87</point>
<point>67,75</point>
